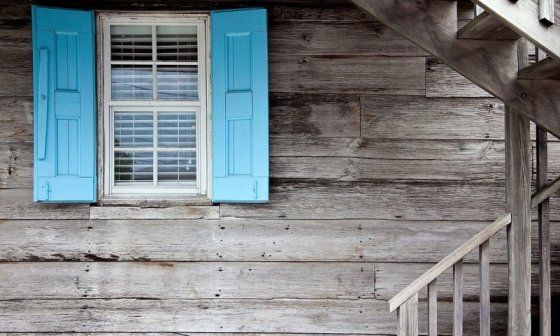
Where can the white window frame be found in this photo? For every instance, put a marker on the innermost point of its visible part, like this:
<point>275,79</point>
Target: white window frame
<point>109,189</point>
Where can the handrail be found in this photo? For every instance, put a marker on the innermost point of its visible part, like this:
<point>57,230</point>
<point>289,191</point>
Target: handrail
<point>449,261</point>
<point>545,192</point>
<point>467,247</point>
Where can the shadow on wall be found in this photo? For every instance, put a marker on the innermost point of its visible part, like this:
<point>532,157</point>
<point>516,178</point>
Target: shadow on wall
<point>555,318</point>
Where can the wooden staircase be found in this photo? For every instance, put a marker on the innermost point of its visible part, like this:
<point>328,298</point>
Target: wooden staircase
<point>486,50</point>
<point>492,51</point>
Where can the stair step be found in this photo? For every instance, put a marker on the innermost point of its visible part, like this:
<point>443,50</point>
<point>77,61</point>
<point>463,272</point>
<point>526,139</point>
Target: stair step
<point>548,68</point>
<point>486,27</point>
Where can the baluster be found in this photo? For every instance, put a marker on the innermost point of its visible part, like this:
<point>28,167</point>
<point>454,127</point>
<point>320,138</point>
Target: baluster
<point>458,298</point>
<point>546,11</point>
<point>432,308</point>
<point>544,235</point>
<point>484,264</point>
<point>407,316</point>
<point>539,54</point>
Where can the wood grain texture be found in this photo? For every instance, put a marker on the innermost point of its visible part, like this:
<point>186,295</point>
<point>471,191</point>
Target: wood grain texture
<point>362,38</point>
<point>521,17</point>
<point>518,172</point>
<point>407,317</point>
<point>458,298</point>
<point>15,80</point>
<point>150,212</point>
<point>317,115</point>
<point>16,116</point>
<point>365,316</point>
<point>243,240</point>
<point>352,200</point>
<point>16,165</point>
<point>484,287</point>
<point>426,118</point>
<point>442,81</point>
<point>379,75</point>
<point>486,27</point>
<point>190,280</point>
<point>491,64</point>
<point>546,68</point>
<point>18,204</point>
<point>545,308</point>
<point>389,149</point>
<point>432,308</point>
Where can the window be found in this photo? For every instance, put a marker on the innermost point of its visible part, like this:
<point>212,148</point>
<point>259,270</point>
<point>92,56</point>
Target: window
<point>154,99</point>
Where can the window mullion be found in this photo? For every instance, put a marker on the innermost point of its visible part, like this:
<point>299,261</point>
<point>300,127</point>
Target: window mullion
<point>154,60</point>
<point>155,152</point>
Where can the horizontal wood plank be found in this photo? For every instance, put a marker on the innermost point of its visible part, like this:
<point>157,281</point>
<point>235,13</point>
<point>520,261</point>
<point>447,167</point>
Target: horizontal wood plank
<point>18,204</point>
<point>331,74</point>
<point>382,200</point>
<point>221,315</point>
<point>402,117</point>
<point>16,116</point>
<point>442,81</point>
<point>15,78</point>
<point>149,212</point>
<point>179,280</point>
<point>16,165</point>
<point>317,115</point>
<point>357,169</point>
<point>364,38</point>
<point>245,240</point>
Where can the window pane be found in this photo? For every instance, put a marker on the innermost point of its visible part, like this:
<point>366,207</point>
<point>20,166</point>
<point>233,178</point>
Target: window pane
<point>177,130</point>
<point>177,82</point>
<point>131,82</point>
<point>177,166</point>
<point>133,130</point>
<point>131,43</point>
<point>177,43</point>
<point>133,167</point>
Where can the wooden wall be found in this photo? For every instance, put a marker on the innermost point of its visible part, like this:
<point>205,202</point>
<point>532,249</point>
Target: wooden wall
<point>383,160</point>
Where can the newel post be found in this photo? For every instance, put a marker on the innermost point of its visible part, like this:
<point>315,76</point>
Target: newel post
<point>518,180</point>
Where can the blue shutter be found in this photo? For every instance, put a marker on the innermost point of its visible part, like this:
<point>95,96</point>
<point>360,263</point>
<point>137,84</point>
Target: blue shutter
<point>239,106</point>
<point>64,104</point>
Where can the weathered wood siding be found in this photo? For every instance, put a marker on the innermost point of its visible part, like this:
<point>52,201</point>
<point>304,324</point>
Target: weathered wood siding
<point>383,160</point>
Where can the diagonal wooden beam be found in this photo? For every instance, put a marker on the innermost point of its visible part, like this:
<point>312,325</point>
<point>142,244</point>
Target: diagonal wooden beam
<point>523,17</point>
<point>493,65</point>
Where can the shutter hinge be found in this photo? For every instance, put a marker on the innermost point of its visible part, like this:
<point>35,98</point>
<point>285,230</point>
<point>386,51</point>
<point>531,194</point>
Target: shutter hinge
<point>44,191</point>
<point>254,189</point>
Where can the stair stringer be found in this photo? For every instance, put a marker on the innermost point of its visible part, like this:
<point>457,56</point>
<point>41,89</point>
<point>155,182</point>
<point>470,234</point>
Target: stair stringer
<point>492,65</point>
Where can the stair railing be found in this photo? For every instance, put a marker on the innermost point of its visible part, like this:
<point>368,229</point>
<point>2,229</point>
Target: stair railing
<point>406,302</point>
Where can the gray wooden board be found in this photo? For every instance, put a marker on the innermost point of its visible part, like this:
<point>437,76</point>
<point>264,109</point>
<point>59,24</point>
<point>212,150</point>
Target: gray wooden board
<point>18,204</point>
<point>16,116</point>
<point>187,280</point>
<point>403,117</point>
<point>442,81</point>
<point>380,200</point>
<point>16,165</point>
<point>245,240</point>
<point>149,212</point>
<point>219,315</point>
<point>371,75</point>
<point>367,38</point>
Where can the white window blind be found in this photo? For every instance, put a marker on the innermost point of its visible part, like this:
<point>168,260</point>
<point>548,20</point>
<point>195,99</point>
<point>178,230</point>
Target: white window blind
<point>155,107</point>
<point>154,62</point>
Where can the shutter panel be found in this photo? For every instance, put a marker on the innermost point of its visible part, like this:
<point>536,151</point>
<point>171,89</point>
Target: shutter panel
<point>64,104</point>
<point>239,106</point>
